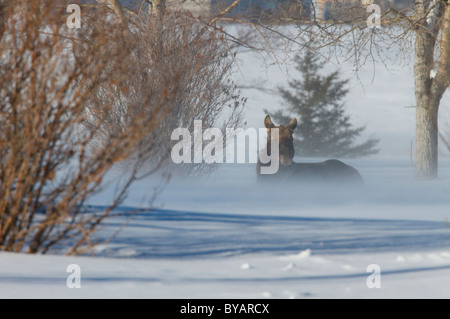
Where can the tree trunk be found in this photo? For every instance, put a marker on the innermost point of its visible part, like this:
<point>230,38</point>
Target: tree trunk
<point>426,114</point>
<point>430,86</point>
<point>427,140</point>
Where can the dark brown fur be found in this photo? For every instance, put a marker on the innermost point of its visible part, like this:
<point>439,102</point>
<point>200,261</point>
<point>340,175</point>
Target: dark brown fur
<point>328,171</point>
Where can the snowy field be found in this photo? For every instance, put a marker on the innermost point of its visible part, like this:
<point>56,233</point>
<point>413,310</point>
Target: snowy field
<point>223,236</point>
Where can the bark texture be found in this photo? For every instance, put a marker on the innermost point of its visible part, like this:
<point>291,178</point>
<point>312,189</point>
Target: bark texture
<point>431,79</point>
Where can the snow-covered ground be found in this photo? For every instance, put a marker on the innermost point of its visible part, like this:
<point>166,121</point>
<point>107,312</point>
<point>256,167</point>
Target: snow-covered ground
<point>294,243</point>
<point>223,236</point>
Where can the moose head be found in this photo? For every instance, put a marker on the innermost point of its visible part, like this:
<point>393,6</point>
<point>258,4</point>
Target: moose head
<point>285,139</point>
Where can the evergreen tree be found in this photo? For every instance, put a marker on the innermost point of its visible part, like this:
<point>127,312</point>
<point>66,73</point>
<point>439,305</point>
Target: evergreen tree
<point>317,101</point>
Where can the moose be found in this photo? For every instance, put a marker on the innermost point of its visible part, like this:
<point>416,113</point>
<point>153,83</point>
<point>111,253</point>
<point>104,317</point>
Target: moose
<point>332,170</point>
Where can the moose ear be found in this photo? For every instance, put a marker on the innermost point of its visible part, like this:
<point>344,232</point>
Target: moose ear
<point>292,124</point>
<point>268,122</point>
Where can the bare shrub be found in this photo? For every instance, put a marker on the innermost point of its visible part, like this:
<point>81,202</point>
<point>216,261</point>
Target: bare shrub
<point>73,104</point>
<point>179,72</point>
